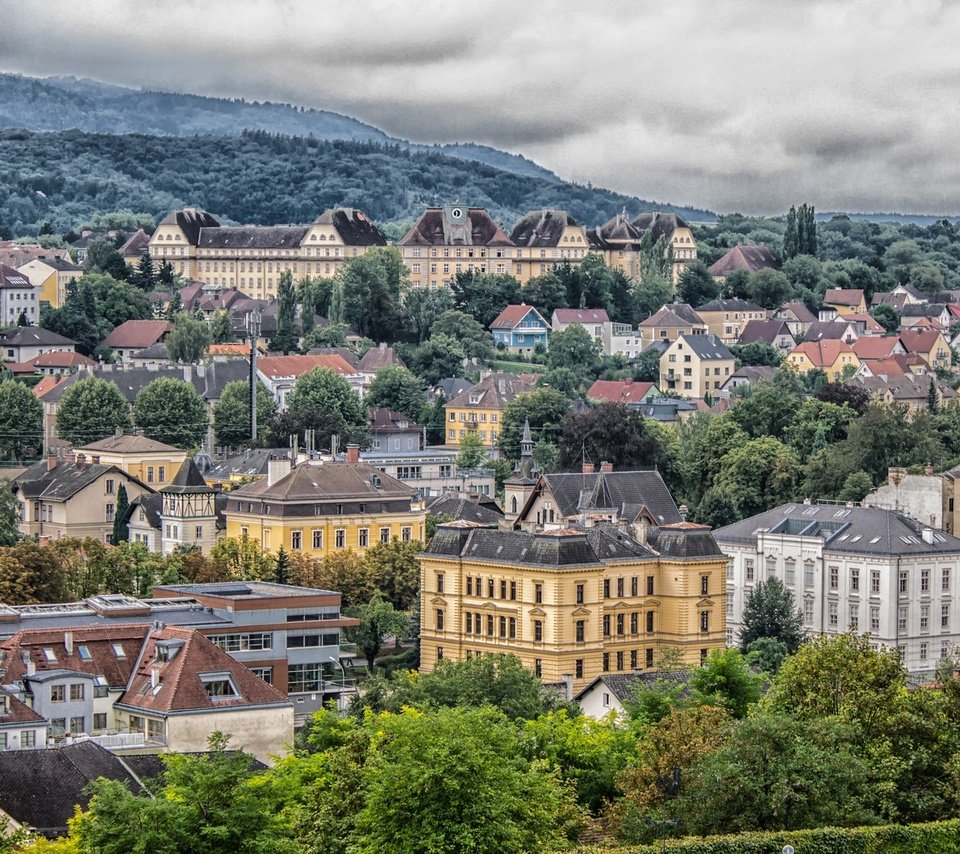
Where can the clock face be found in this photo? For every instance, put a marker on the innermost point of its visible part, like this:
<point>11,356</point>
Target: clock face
<point>456,213</point>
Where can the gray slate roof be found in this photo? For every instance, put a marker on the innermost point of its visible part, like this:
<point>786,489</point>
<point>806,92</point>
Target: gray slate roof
<point>62,482</point>
<point>706,346</point>
<point>250,237</point>
<point>858,530</point>
<point>623,685</point>
<point>459,505</point>
<point>40,788</point>
<point>627,491</point>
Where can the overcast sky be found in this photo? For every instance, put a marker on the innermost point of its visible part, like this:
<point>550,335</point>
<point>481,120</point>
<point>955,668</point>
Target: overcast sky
<point>746,105</point>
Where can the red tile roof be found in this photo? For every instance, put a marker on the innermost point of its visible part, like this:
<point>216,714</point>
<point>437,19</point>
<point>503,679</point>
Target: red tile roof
<point>920,340</point>
<point>619,391</point>
<point>180,685</point>
<point>295,366</point>
<point>138,334</point>
<point>823,353</point>
<point>98,641</point>
<point>513,314</point>
<point>745,257</point>
<point>59,359</point>
<point>843,296</point>
<point>869,347</point>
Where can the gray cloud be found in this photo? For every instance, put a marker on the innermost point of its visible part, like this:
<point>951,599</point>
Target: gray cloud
<point>745,105</point>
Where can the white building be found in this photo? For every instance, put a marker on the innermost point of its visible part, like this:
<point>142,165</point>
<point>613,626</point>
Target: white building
<point>18,296</point>
<point>616,339</point>
<point>852,568</point>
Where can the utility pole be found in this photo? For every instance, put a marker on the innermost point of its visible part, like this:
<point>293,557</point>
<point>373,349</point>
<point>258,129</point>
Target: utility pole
<point>253,328</point>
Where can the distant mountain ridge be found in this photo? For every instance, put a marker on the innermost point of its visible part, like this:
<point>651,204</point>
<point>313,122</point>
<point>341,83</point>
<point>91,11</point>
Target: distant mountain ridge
<point>66,103</point>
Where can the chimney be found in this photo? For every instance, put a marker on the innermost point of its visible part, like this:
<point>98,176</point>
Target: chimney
<point>587,468</point>
<point>187,373</point>
<point>51,462</point>
<point>154,675</point>
<point>606,467</point>
<point>353,453</point>
<point>68,642</point>
<point>684,510</point>
<point>118,432</point>
<point>81,462</point>
<point>927,535</point>
<point>277,469</point>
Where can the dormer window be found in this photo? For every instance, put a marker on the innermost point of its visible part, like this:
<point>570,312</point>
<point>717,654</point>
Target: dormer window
<point>219,686</point>
<point>474,398</point>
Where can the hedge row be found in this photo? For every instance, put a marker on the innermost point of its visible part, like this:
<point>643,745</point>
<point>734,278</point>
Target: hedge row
<point>939,837</point>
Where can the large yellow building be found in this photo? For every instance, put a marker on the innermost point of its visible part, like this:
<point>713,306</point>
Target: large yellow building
<point>252,258</point>
<point>572,604</point>
<point>695,366</point>
<point>454,239</point>
<point>51,275</point>
<point>151,462</point>
<point>542,239</point>
<point>622,241</point>
<point>321,508</point>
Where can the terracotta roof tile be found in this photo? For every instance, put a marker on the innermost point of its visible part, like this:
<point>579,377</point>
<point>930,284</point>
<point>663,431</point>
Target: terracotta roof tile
<point>295,366</point>
<point>137,334</point>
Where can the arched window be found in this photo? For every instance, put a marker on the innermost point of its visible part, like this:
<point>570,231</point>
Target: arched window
<point>513,504</point>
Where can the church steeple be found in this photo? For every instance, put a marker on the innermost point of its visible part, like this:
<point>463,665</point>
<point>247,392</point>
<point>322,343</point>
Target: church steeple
<point>518,487</point>
<point>526,464</point>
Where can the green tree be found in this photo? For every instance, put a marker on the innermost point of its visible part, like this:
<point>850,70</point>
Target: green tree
<point>756,353</point>
<point>574,348</point>
<point>545,408</point>
<point>759,475</point>
<point>546,293</point>
<point>379,620</point>
<point>856,485</point>
<point>900,258</point>
<point>776,772</point>
<point>121,516</point>
<point>285,338</point>
<point>483,296</point>
<point>766,654</point>
<point>145,273</point>
<point>188,339</point>
<point>21,420</point>
<point>927,277</point>
<point>397,388</point>
<point>221,328</point>
<point>394,570</point>
<point>171,411</point>
<point>467,332</point>
<point>652,292</point>
<point>231,413</point>
<point>423,307</point>
<point>371,287</point>
<point>609,433</point>
<point>472,453</point>
<point>768,406</point>
<point>117,301</point>
<point>646,367</point>
<point>90,410</point>
<point>717,509</point>
<point>725,680</point>
<point>424,768</point>
<point>771,612</point>
<point>9,515</point>
<point>438,357</point>
<point>768,288</point>
<point>325,390</point>
<point>206,804</point>
<point>696,285</point>
<point>887,316</point>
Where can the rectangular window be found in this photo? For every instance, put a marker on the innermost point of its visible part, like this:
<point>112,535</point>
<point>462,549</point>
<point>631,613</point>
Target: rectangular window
<point>606,625</point>
<point>58,693</point>
<point>945,580</point>
<point>923,651</point>
<point>924,580</point>
<point>634,623</point>
<point>503,588</point>
<point>243,642</point>
<point>944,616</point>
<point>110,486</point>
<point>902,581</point>
<point>296,540</point>
<point>748,569</point>
<point>384,535</point>
<point>77,724</point>
<point>833,617</point>
<point>469,623</point>
<point>606,588</point>
<point>469,585</point>
<point>649,621</point>
<point>578,668</point>
<point>489,625</point>
<point>28,738</point>
<point>538,667</point>
<point>634,586</point>
<point>807,611</point>
<point>619,624</point>
<point>619,659</point>
<point>874,581</point>
<point>503,626</point>
<point>99,721</point>
<point>77,691</point>
<point>580,630</point>
<point>633,659</point>
<point>579,596</point>
<point>808,573</point>
<point>854,580</point>
<point>538,593</point>
<point>513,590</point>
<point>406,534</point>
<point>363,538</point>
<point>606,662</point>
<point>924,617</point>
<point>874,619</point>
<point>161,473</point>
<point>439,619</point>
<point>834,577</point>
<point>704,621</point>
<point>490,585</point>
<point>649,585</point>
<point>854,622</point>
<point>538,631</point>
<point>648,657</point>
<point>317,539</point>
<point>512,627</point>
<point>620,588</point>
<point>790,571</point>
<point>340,538</point>
<point>902,618</point>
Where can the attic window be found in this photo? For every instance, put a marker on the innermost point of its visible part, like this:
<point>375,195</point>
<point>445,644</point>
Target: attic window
<point>220,686</point>
<point>49,654</point>
<point>84,653</point>
<point>875,540</point>
<point>118,650</point>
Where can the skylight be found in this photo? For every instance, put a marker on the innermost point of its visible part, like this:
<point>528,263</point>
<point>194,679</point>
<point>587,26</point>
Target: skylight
<point>49,654</point>
<point>84,653</point>
<point>118,651</point>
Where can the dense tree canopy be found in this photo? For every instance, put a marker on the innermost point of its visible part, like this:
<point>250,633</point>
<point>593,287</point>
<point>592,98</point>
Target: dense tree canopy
<point>90,410</point>
<point>171,412</point>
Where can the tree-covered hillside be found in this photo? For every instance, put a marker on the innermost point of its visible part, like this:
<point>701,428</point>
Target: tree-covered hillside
<point>65,178</point>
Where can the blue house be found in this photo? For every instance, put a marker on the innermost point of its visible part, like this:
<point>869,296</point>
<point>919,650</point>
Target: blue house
<point>520,328</point>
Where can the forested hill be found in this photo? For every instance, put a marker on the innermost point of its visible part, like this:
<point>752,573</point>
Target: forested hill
<point>65,103</point>
<point>66,178</point>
